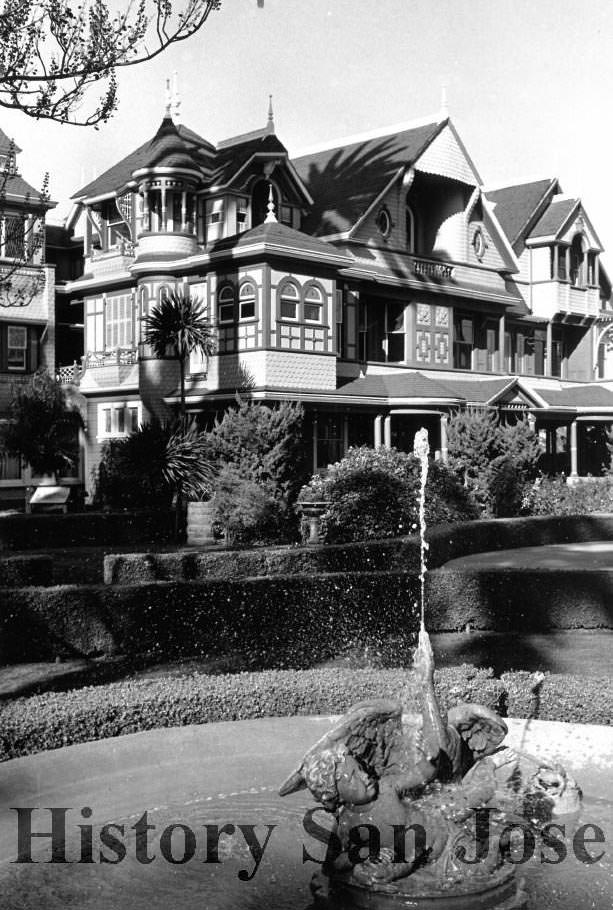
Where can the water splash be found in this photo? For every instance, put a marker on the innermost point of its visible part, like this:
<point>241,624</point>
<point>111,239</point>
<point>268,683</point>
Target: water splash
<point>421,450</point>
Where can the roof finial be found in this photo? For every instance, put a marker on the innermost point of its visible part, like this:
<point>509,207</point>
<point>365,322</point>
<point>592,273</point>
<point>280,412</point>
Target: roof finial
<point>444,102</point>
<point>168,98</point>
<point>271,218</point>
<point>270,126</point>
<point>176,98</point>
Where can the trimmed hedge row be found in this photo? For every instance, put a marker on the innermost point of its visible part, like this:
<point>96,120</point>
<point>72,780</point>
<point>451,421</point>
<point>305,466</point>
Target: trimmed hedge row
<point>81,529</point>
<point>289,621</point>
<point>447,541</point>
<point>559,697</point>
<point>54,719</point>
<point>282,621</point>
<point>16,571</point>
<point>528,600</point>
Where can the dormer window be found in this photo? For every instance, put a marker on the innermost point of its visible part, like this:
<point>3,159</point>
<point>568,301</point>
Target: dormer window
<point>246,300</point>
<point>313,304</point>
<point>225,304</point>
<point>214,219</point>
<point>242,209</point>
<point>289,301</point>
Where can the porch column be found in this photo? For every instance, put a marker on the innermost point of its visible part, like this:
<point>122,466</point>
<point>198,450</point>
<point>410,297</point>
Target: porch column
<point>444,447</point>
<point>345,433</point>
<point>573,450</point>
<point>549,350</point>
<point>314,442</point>
<point>163,225</point>
<point>378,422</point>
<point>387,431</point>
<point>501,333</point>
<point>146,225</point>
<point>183,212</point>
<point>555,268</point>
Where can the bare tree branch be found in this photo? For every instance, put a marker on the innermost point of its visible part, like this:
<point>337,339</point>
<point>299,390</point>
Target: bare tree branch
<point>58,58</point>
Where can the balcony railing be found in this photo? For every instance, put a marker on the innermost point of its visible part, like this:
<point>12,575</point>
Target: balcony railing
<point>72,374</point>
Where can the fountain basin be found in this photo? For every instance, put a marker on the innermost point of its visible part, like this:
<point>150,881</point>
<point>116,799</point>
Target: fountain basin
<point>228,773</point>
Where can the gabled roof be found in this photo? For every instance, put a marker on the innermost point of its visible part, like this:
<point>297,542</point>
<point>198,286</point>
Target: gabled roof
<point>554,218</point>
<point>180,138</point>
<point>345,180</point>
<point>516,206</point>
<point>280,236</point>
<point>7,144</point>
<point>230,159</point>
<point>579,396</point>
<point>16,187</point>
<point>399,385</point>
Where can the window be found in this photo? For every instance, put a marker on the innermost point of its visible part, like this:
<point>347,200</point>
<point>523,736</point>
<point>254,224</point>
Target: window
<point>214,219</point>
<point>94,325</point>
<point>463,342</point>
<point>286,215</point>
<point>313,304</point>
<point>394,331</point>
<point>14,236</point>
<point>119,324</point>
<point>289,300</point>
<point>17,346</point>
<point>340,341</point>
<point>577,260</point>
<point>225,304</point>
<point>246,300</point>
<point>490,346</point>
<point>242,208</point>
<point>118,418</point>
<point>384,222</point>
<point>557,354</point>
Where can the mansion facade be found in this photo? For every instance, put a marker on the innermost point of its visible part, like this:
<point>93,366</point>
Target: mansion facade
<point>375,280</point>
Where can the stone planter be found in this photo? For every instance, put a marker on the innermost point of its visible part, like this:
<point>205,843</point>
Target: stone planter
<point>313,511</point>
<point>200,523</point>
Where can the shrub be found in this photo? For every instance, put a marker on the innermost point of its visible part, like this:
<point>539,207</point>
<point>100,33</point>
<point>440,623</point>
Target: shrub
<point>553,496</point>
<point>260,454</point>
<point>373,494</point>
<point>494,460</point>
<point>53,720</point>
<point>42,427</point>
<point>561,697</point>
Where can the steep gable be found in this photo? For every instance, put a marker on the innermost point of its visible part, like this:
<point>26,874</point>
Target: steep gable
<point>446,156</point>
<point>517,207</point>
<point>345,180</point>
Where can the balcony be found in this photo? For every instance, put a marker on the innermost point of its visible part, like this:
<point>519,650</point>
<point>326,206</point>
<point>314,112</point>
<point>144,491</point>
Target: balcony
<point>117,259</point>
<point>555,298</point>
<point>117,366</point>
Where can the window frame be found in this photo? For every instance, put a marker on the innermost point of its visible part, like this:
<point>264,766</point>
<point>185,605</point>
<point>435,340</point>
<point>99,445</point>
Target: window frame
<point>117,427</point>
<point>21,367</point>
<point>320,304</point>
<point>226,286</point>
<point>281,294</point>
<point>252,299</point>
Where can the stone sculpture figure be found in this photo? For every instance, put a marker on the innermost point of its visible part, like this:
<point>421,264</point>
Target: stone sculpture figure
<point>385,780</point>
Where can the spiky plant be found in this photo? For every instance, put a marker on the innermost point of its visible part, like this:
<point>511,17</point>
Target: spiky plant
<point>181,323</point>
<point>188,465</point>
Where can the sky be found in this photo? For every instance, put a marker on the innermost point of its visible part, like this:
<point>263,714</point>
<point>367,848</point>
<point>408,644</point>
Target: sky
<point>528,85</point>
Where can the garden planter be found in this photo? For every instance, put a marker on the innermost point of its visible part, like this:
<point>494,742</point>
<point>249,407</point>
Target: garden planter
<point>313,511</point>
<point>200,523</point>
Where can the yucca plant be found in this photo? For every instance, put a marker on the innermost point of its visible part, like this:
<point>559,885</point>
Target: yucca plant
<point>188,466</point>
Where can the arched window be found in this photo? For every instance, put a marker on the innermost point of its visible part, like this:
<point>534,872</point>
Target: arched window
<point>289,300</point>
<point>313,304</point>
<point>246,300</point>
<point>259,201</point>
<point>410,228</point>
<point>225,304</point>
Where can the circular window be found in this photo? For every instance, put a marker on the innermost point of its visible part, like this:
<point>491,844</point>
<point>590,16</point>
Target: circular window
<point>479,244</point>
<point>384,222</point>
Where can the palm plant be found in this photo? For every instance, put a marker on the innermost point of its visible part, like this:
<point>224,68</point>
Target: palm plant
<point>179,322</point>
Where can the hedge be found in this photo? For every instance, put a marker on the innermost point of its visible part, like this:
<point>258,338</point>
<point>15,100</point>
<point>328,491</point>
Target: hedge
<point>559,697</point>
<point>81,529</point>
<point>54,719</point>
<point>16,571</point>
<point>447,541</point>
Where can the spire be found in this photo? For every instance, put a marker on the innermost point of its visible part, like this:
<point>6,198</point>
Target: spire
<point>176,98</point>
<point>168,100</point>
<point>270,126</point>
<point>444,102</point>
<point>271,218</point>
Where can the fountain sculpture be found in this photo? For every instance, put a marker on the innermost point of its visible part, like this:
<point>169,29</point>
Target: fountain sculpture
<point>424,808</point>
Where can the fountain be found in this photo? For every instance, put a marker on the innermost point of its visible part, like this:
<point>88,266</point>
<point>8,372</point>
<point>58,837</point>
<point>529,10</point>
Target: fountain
<point>424,810</point>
